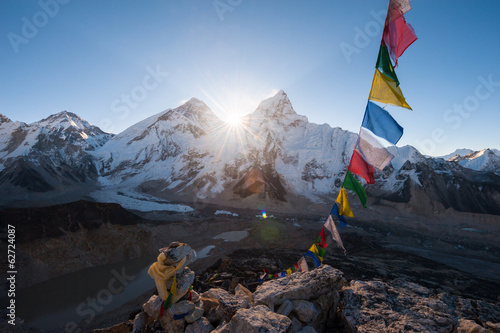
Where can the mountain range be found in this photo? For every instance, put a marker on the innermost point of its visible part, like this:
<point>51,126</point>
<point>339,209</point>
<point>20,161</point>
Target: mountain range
<point>276,159</point>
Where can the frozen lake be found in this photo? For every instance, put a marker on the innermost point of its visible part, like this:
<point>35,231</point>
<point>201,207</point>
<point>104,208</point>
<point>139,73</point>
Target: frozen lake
<point>232,236</point>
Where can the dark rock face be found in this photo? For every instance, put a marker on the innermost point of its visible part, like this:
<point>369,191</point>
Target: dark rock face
<point>264,181</point>
<point>447,183</point>
<point>56,221</point>
<point>43,175</point>
<point>56,240</point>
<point>462,189</point>
<point>21,173</point>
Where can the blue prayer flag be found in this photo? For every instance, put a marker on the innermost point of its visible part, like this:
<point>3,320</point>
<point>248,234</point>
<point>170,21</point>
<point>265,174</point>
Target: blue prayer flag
<point>317,263</point>
<point>341,218</point>
<point>381,123</point>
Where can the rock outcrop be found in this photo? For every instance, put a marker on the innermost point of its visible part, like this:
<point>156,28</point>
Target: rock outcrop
<point>321,300</point>
<point>402,306</point>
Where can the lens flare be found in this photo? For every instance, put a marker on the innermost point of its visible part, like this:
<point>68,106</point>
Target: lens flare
<point>269,233</point>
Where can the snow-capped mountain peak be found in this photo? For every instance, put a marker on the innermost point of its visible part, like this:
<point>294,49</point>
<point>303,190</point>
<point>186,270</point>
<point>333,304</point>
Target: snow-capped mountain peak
<point>188,154</point>
<point>482,160</point>
<point>459,152</point>
<point>197,111</point>
<point>63,129</point>
<point>277,111</point>
<point>275,106</point>
<point>4,119</point>
<point>63,119</point>
<point>404,154</point>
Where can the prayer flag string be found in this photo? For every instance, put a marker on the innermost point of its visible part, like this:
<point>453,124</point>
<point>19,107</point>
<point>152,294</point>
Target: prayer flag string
<point>368,152</point>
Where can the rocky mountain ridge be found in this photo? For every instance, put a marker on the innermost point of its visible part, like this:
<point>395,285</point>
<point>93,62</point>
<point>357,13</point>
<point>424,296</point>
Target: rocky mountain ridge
<point>484,160</point>
<point>318,300</point>
<point>189,155</point>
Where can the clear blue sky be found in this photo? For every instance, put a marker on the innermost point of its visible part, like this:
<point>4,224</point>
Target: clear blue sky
<point>88,56</point>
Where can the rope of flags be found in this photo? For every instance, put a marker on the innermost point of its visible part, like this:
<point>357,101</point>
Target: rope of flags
<point>316,252</point>
<point>368,152</point>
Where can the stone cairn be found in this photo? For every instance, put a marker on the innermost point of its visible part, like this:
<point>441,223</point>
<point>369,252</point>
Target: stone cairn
<point>176,303</point>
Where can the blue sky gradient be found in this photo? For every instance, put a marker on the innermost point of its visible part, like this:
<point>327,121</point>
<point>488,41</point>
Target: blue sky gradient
<point>86,57</point>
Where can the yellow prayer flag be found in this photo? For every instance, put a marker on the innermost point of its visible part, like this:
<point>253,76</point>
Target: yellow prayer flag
<point>314,249</point>
<point>384,90</point>
<point>289,271</point>
<point>173,289</point>
<point>344,208</point>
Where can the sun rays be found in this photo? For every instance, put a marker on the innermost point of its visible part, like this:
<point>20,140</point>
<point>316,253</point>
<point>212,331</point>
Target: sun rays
<point>238,130</point>
<point>232,137</point>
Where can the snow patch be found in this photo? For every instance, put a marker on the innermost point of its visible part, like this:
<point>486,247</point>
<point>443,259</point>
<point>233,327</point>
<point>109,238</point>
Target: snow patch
<point>137,201</point>
<point>472,230</point>
<point>203,253</point>
<point>225,212</point>
<point>232,236</point>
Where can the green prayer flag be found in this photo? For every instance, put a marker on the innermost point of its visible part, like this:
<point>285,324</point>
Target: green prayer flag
<point>384,64</point>
<point>168,302</point>
<point>351,183</point>
<point>321,252</point>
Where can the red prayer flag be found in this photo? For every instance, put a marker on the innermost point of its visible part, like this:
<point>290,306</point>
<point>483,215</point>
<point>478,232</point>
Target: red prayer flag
<point>361,168</point>
<point>322,243</point>
<point>396,9</point>
<point>398,35</point>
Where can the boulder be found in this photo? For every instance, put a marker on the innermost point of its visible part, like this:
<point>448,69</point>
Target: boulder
<point>140,322</point>
<point>493,327</point>
<point>176,251</point>
<point>300,286</point>
<point>171,325</point>
<point>243,293</point>
<point>370,306</point>
<point>152,307</point>
<point>182,308</point>
<point>195,297</point>
<point>285,308</point>
<point>196,313</point>
<point>469,326</point>
<point>222,328</point>
<point>184,279</point>
<point>202,325</point>
<point>209,303</point>
<point>327,305</point>
<point>258,319</point>
<point>305,311</point>
<point>228,305</point>
<point>477,310</point>
<point>296,324</point>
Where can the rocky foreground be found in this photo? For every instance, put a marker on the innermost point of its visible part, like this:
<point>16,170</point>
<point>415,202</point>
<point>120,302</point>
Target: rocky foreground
<point>319,300</point>
<point>438,274</point>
